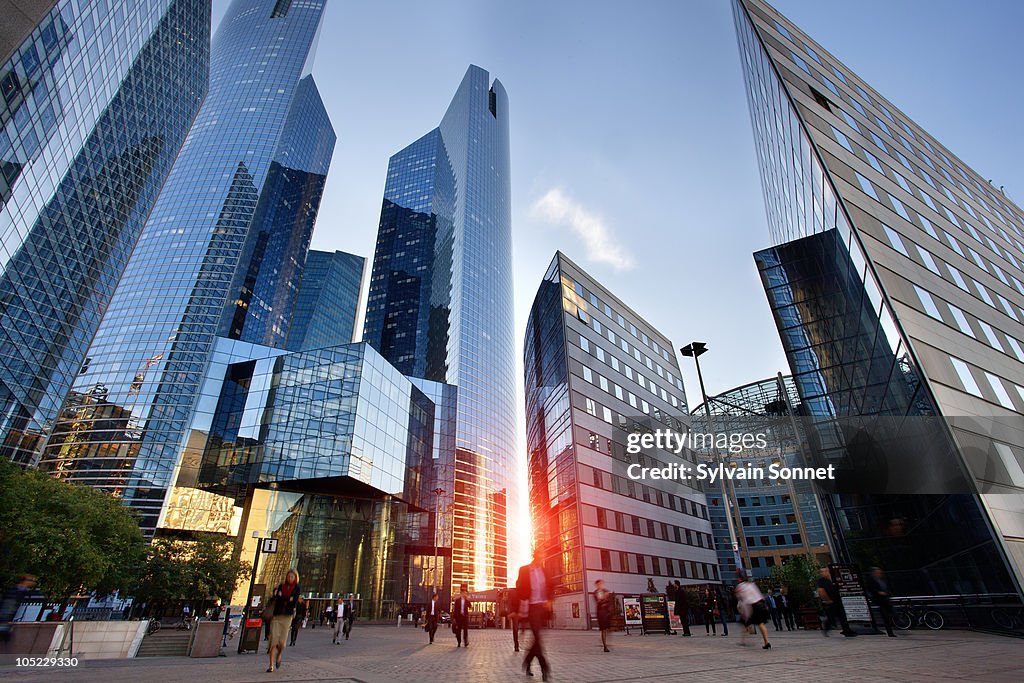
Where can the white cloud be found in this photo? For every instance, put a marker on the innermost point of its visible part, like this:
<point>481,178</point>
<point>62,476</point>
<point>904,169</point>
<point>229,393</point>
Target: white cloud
<point>557,208</point>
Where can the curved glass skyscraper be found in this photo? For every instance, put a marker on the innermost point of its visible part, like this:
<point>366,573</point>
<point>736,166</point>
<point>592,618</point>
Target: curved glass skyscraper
<point>440,308</point>
<point>96,102</point>
<point>124,425</point>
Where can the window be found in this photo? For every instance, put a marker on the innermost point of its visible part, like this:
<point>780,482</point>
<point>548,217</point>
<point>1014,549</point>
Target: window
<point>963,371</point>
<point>900,209</point>
<point>1015,346</point>
<point>958,278</point>
<point>1000,390</point>
<point>873,160</point>
<point>585,344</point>
<point>606,414</point>
<point>780,540</point>
<point>961,320</point>
<point>591,407</point>
<point>1011,463</point>
<point>977,259</point>
<point>842,139</point>
<point>929,262</point>
<point>797,540</point>
<point>866,186</point>
<point>928,227</point>
<point>588,375</point>
<point>990,334</point>
<point>801,63</point>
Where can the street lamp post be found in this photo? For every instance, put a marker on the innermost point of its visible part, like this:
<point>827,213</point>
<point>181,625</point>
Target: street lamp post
<point>437,516</point>
<point>694,350</point>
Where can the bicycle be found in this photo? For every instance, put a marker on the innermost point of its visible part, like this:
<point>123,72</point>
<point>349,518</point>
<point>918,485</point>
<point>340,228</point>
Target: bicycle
<point>154,626</point>
<point>909,617</point>
<point>1009,618</point>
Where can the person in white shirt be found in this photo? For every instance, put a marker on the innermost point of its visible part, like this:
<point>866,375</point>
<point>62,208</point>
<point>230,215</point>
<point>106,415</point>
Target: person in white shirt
<point>753,609</point>
<point>432,614</point>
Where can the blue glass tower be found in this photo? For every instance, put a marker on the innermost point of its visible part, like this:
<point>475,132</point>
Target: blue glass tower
<point>440,307</point>
<point>328,301</point>
<point>268,276</point>
<point>87,138</point>
<point>149,355</point>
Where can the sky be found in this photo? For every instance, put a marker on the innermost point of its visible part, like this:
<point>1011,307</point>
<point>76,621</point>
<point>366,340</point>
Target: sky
<point>631,141</point>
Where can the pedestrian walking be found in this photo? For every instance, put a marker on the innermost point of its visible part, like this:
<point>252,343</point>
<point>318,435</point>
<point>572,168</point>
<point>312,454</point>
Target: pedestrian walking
<point>535,592</point>
<point>347,615</point>
<point>683,608</point>
<point>432,614</point>
<point>711,612</point>
<point>775,610</point>
<point>11,603</point>
<point>513,616</point>
<point>753,609</point>
<point>286,598</point>
<point>460,616</point>
<point>605,602</point>
<point>878,590</point>
<point>832,603</point>
<point>785,608</point>
<point>336,623</point>
<point>298,619</point>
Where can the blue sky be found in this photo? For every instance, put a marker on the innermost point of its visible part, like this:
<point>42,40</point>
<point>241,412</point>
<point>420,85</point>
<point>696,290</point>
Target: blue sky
<point>631,142</point>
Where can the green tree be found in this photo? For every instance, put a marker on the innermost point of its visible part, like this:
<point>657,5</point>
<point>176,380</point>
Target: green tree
<point>799,575</point>
<point>194,570</point>
<point>75,539</point>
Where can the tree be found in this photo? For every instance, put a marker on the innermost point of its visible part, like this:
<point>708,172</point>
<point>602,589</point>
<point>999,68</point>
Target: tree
<point>799,575</point>
<point>74,538</point>
<point>194,570</point>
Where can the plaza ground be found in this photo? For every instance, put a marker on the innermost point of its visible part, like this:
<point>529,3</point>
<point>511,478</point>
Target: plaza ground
<point>377,654</point>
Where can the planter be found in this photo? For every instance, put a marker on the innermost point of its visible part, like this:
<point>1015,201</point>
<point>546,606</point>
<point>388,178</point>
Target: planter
<point>808,618</point>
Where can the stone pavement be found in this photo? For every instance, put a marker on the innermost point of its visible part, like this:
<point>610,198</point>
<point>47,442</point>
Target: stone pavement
<point>378,654</point>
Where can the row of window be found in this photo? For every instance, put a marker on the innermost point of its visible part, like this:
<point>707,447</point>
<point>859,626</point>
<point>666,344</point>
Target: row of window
<point>997,384</point>
<point>773,520</point>
<point>606,481</point>
<point>613,520</point>
<point>587,303</point>
<point>907,214</point>
<point>981,188</point>
<point>648,565</point>
<point>600,380</point>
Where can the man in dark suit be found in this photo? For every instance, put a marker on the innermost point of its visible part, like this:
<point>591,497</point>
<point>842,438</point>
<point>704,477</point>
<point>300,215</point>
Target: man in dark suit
<point>682,608</point>
<point>536,592</point>
<point>460,616</point>
<point>347,615</point>
<point>432,614</point>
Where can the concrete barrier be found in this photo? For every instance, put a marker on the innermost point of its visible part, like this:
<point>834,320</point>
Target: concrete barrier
<point>104,639</point>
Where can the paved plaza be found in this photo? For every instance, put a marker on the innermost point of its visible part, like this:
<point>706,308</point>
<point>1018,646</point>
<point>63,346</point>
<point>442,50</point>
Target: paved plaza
<point>376,654</point>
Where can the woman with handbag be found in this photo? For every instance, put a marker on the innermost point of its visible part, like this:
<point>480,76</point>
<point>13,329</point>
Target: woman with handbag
<point>286,598</point>
<point>753,609</point>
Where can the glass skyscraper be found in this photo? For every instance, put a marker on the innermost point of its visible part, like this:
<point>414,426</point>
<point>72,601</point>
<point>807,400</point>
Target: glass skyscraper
<point>328,300</point>
<point>440,308</point>
<point>596,371</point>
<point>245,154</point>
<point>897,283</point>
<point>96,102</point>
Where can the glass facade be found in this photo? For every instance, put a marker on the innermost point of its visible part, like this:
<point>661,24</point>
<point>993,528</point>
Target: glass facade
<point>96,103</point>
<point>271,265</point>
<point>772,520</point>
<point>153,346</point>
<point>594,372</point>
<point>870,279</point>
<point>440,307</point>
<point>330,451</point>
<point>328,301</point>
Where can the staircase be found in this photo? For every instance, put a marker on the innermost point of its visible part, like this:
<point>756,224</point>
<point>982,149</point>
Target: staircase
<point>165,643</point>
